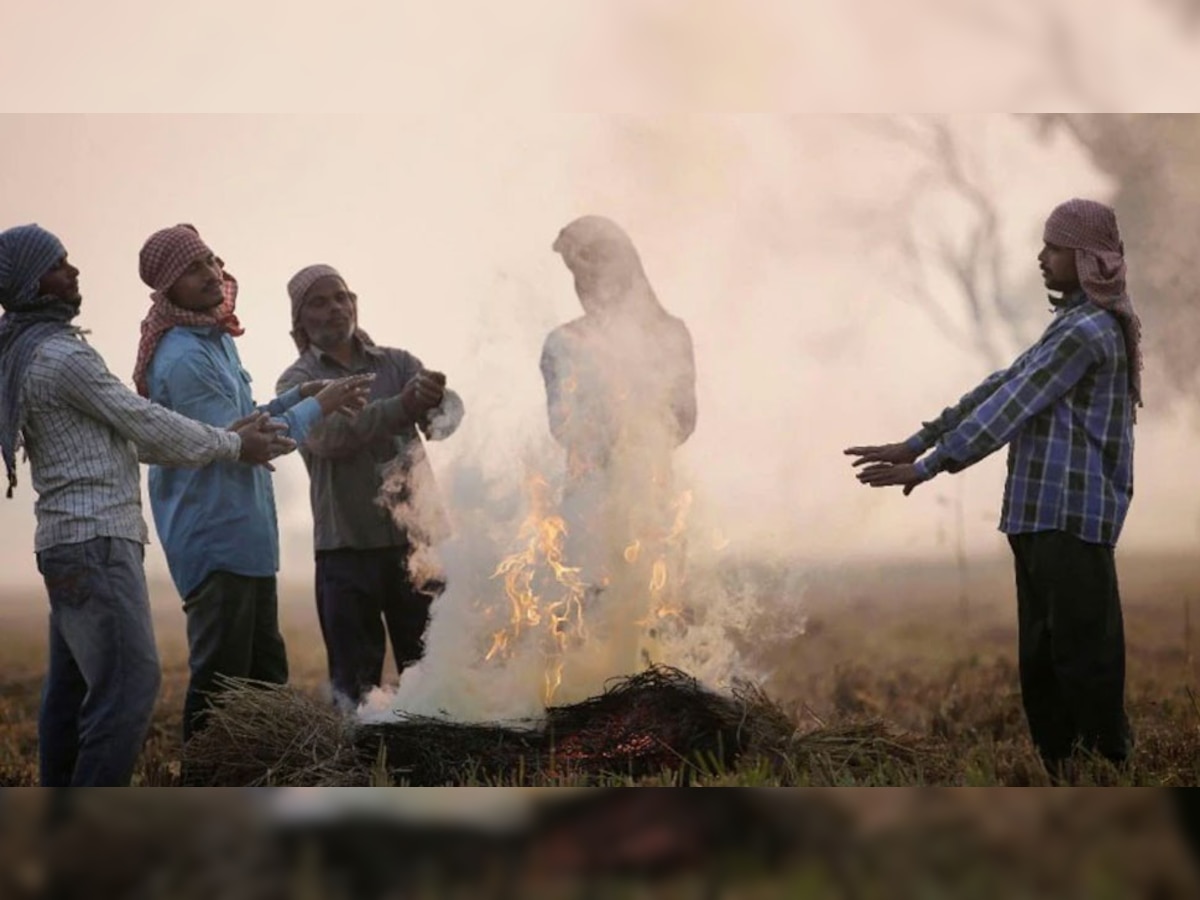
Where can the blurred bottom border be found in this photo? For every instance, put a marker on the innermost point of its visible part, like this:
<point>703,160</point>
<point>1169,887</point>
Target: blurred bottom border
<point>481,842</point>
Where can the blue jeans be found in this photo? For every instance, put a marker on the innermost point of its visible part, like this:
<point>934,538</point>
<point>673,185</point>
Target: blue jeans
<point>104,674</point>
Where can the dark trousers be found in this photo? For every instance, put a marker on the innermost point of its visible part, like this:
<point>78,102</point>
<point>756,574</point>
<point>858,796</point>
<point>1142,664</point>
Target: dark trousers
<point>1071,646</point>
<point>232,630</point>
<point>358,592</point>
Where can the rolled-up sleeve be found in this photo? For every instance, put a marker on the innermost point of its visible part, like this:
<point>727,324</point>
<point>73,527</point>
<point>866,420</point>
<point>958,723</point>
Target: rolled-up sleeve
<point>300,414</point>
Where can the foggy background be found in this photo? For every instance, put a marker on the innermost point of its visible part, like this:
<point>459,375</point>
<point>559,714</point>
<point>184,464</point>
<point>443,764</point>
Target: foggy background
<point>800,247</point>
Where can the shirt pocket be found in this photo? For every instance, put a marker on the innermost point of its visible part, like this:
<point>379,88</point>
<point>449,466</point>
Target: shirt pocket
<point>245,391</point>
<point>70,571</point>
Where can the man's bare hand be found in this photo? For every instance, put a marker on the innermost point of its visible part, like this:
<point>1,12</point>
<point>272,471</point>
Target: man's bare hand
<point>262,439</point>
<point>345,395</point>
<point>312,388</point>
<point>885,475</point>
<point>253,419</point>
<point>423,392</point>
<point>891,454</point>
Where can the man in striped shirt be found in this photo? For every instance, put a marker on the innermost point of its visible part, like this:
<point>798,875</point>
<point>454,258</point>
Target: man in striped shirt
<point>84,433</point>
<point>1066,409</point>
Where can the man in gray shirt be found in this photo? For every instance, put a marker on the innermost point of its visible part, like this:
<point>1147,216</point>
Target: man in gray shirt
<point>374,501</point>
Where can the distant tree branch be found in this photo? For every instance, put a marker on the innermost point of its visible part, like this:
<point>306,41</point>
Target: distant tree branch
<point>971,259</point>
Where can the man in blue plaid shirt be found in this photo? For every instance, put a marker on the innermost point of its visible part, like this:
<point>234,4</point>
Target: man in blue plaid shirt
<point>1066,409</point>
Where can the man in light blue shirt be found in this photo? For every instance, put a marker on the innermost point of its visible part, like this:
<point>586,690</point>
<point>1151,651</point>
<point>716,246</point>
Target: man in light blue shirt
<point>217,525</point>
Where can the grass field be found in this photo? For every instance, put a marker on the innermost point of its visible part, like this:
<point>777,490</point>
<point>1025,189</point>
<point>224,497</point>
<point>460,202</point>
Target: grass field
<point>916,647</point>
<point>913,647</point>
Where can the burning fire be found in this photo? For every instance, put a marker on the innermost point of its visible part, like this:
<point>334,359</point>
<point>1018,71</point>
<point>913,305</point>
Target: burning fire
<point>546,595</point>
<point>658,580</point>
<point>525,574</point>
<point>664,604</point>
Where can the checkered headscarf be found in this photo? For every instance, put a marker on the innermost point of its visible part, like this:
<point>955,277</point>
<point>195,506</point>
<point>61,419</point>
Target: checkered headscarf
<point>27,252</point>
<point>164,258</point>
<point>1090,229</point>
<point>298,287</point>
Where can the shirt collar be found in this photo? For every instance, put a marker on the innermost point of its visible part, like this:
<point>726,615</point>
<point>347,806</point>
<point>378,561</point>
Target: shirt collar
<point>361,350</point>
<point>1071,302</point>
<point>206,330</point>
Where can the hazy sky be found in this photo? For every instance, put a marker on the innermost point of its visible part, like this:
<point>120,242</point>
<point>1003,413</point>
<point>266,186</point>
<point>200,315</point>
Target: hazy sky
<point>594,55</point>
<point>440,197</point>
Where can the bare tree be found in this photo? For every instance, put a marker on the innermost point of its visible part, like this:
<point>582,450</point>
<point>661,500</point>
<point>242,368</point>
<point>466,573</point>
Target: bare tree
<point>956,265</point>
<point>1153,160</point>
<point>959,274</point>
<point>956,271</point>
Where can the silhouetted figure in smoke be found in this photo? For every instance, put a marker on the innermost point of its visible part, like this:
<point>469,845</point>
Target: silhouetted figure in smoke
<point>621,396</point>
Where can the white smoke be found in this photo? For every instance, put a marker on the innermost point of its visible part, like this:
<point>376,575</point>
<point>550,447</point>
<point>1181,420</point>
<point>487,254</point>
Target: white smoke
<point>637,537</point>
<point>454,680</point>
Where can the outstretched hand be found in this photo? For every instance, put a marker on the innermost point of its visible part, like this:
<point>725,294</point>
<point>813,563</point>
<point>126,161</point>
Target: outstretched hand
<point>347,395</point>
<point>891,454</point>
<point>891,475</point>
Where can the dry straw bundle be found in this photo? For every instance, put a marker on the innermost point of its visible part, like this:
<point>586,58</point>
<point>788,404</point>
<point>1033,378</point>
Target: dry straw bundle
<point>659,723</point>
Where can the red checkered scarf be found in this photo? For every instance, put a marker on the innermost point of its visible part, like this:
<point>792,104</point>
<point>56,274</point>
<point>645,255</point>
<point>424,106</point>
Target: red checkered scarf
<point>164,258</point>
<point>1090,229</point>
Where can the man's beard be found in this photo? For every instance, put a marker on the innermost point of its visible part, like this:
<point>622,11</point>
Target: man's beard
<point>68,307</point>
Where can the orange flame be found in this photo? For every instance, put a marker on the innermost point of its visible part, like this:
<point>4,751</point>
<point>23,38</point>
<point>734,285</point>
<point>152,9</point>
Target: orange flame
<point>545,594</point>
<point>658,579</point>
<point>664,603</point>
<point>524,572</point>
<point>683,505</point>
<point>499,644</point>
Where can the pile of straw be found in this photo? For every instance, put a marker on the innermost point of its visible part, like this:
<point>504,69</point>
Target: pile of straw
<point>658,722</point>
<point>268,734</point>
